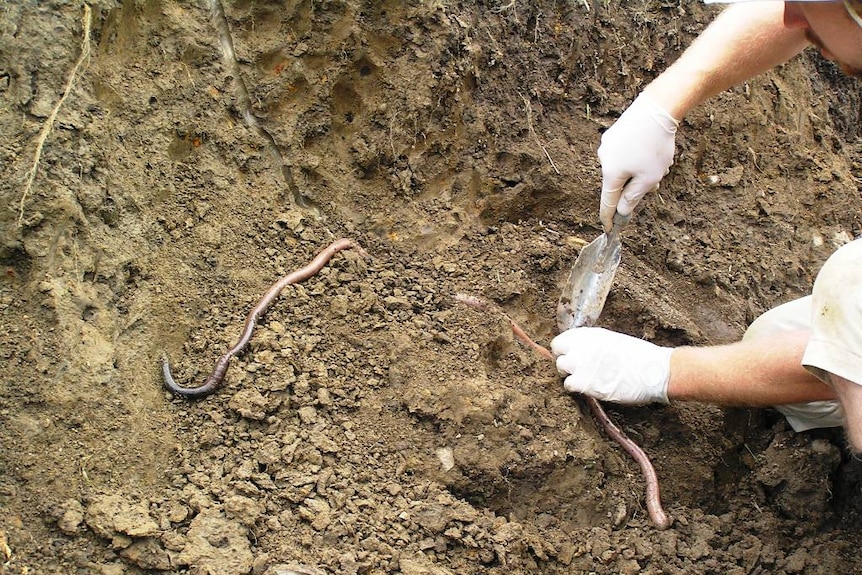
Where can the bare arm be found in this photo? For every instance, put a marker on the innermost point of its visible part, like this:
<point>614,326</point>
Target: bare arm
<point>754,372</point>
<point>745,40</point>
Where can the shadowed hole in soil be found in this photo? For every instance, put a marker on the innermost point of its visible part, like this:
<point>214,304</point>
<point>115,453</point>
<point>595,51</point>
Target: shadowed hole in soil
<point>346,106</point>
<point>16,264</point>
<point>539,495</point>
<point>366,67</point>
<point>513,202</point>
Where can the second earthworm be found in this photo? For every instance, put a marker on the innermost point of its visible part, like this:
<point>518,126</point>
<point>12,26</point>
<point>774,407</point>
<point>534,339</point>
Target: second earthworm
<point>218,372</point>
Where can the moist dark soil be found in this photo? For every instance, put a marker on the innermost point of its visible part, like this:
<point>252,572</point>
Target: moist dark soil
<point>374,424</point>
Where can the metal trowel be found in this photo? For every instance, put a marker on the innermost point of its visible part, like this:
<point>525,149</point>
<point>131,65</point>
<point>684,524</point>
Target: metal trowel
<point>591,277</point>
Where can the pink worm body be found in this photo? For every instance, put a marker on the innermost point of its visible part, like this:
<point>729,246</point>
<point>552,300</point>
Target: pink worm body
<point>653,493</point>
<point>218,373</point>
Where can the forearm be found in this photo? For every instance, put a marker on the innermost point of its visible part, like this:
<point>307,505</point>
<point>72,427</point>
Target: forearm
<point>744,41</point>
<point>753,373</point>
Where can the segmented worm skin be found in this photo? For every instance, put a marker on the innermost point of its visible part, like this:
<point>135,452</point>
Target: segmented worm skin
<point>218,372</point>
<point>653,494</point>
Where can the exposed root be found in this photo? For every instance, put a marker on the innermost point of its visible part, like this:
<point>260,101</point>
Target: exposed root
<point>529,109</point>
<point>49,123</point>
<point>219,21</point>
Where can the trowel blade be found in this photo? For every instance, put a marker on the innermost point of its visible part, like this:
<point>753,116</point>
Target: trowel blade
<point>590,280</point>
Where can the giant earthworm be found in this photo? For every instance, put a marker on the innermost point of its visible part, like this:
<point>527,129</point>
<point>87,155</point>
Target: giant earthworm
<point>220,369</point>
<point>653,495</point>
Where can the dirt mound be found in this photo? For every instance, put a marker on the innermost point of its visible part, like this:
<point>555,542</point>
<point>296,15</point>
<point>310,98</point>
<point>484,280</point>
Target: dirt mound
<point>375,425</point>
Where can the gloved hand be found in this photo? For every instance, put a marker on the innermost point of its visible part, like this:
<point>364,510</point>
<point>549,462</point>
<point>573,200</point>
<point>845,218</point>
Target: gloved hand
<point>636,153</point>
<point>612,366</point>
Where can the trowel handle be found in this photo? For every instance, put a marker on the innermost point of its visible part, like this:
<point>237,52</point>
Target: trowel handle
<point>620,221</point>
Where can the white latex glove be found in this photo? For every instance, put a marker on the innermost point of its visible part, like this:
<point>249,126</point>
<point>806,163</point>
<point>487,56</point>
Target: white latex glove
<point>636,153</point>
<point>612,366</point>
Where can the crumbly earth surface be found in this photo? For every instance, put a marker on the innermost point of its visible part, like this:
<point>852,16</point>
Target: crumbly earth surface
<point>374,425</point>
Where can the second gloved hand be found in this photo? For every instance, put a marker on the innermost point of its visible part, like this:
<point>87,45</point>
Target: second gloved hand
<point>636,153</point>
<point>611,366</point>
